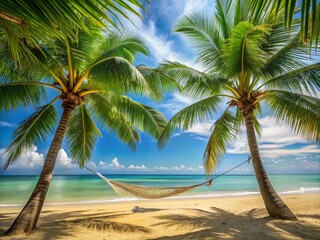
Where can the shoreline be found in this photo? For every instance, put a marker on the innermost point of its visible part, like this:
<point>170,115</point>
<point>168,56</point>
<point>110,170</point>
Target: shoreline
<point>196,196</point>
<point>235,217</point>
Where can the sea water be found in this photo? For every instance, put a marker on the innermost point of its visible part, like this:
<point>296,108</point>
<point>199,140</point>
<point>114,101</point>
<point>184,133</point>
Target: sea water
<point>68,189</point>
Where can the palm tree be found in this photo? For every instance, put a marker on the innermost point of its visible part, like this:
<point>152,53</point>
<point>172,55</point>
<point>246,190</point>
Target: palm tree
<point>91,77</point>
<point>246,64</point>
<point>309,11</point>
<point>21,22</point>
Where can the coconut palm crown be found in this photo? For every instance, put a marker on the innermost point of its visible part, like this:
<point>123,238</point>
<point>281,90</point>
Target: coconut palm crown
<point>248,60</point>
<point>92,78</point>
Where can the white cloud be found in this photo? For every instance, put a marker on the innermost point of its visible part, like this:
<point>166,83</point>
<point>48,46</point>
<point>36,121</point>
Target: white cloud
<point>281,152</point>
<point>113,165</point>
<point>306,164</point>
<point>64,161</point>
<point>7,124</point>
<point>191,6</point>
<point>179,168</point>
<point>161,168</point>
<point>161,44</point>
<point>32,159</point>
<point>176,103</point>
<point>202,129</point>
<point>29,159</point>
<point>200,166</point>
<point>275,142</point>
<point>92,164</point>
<point>142,167</point>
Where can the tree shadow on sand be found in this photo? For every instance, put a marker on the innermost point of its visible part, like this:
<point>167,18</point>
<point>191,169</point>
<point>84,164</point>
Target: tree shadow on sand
<point>53,225</point>
<point>218,224</point>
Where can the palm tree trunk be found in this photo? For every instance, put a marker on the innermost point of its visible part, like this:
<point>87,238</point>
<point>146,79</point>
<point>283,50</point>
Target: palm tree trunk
<point>28,217</point>
<point>275,206</point>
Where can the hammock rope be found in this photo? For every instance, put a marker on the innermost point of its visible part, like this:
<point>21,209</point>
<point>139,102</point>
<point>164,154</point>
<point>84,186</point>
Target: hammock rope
<point>154,192</point>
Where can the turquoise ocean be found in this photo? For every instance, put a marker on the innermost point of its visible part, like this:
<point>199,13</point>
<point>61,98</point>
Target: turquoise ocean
<point>69,189</point>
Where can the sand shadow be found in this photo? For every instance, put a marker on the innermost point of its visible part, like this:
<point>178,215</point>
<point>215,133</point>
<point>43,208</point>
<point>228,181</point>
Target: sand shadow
<point>220,224</point>
<point>53,225</point>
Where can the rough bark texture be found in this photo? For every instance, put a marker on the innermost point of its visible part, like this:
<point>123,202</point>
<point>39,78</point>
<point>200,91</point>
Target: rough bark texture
<point>274,205</point>
<point>28,217</point>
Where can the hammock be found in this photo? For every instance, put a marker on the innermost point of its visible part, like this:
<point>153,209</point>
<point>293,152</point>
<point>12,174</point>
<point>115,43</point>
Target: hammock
<point>153,192</point>
<point>146,191</point>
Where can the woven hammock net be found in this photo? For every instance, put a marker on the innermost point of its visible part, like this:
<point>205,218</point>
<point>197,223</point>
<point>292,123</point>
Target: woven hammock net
<point>148,192</point>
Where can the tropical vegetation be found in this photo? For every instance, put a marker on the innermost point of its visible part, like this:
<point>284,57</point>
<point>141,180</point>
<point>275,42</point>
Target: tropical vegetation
<point>24,23</point>
<point>249,62</point>
<point>92,77</point>
<point>309,11</point>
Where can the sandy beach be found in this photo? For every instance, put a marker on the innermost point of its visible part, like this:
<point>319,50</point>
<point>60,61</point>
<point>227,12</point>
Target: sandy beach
<point>196,218</point>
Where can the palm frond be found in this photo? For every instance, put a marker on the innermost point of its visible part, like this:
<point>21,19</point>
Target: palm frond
<point>306,79</point>
<point>285,51</point>
<point>13,96</point>
<point>145,118</point>
<point>194,83</point>
<point>224,132</point>
<point>43,20</point>
<point>225,16</point>
<point>298,111</point>
<point>256,123</point>
<point>118,74</point>
<point>81,135</point>
<point>110,118</point>
<point>308,12</point>
<point>32,131</point>
<point>206,37</point>
<point>158,81</point>
<point>241,11</point>
<point>124,45</point>
<point>243,51</point>
<point>198,111</point>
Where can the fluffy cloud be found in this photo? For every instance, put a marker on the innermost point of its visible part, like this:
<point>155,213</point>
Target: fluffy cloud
<point>113,165</point>
<point>163,44</point>
<point>64,161</point>
<point>32,159</point>
<point>29,159</point>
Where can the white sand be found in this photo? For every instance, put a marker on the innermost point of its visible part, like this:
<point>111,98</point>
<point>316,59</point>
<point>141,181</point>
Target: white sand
<point>208,218</point>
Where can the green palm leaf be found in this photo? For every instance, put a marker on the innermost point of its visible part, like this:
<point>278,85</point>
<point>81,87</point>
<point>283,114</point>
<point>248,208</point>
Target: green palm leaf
<point>81,135</point>
<point>32,131</point>
<point>145,118</point>
<point>158,81</point>
<point>118,74</point>
<point>224,16</point>
<point>124,45</point>
<point>308,12</point>
<point>43,20</point>
<point>194,83</point>
<point>224,132</point>
<point>24,95</point>
<point>110,118</point>
<point>298,111</point>
<point>200,28</point>
<point>243,51</point>
<point>306,79</point>
<point>198,111</point>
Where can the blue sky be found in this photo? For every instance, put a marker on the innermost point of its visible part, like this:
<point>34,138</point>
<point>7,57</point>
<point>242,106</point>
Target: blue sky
<point>282,151</point>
